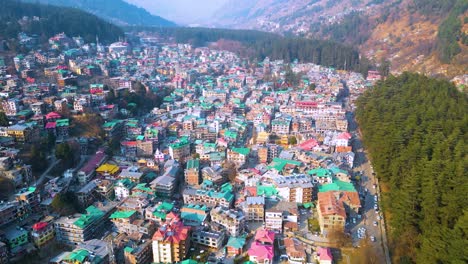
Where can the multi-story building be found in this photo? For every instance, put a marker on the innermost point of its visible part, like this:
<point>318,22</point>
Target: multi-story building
<point>194,214</point>
<point>280,126</point>
<point>171,242</point>
<point>144,148</point>
<point>123,188</point>
<point>235,245</point>
<point>10,107</point>
<point>331,212</point>
<point>238,155</point>
<point>295,251</point>
<point>8,212</point>
<point>208,238</point>
<point>77,229</point>
<point>210,198</point>
<point>21,133</point>
<point>294,188</point>
<point>138,254</point>
<point>16,239</point>
<point>232,220</point>
<point>278,213</point>
<point>254,208</point>
<point>261,249</point>
<point>42,233</point>
<point>62,126</point>
<point>85,194</point>
<point>192,172</point>
<point>127,222</point>
<point>180,150</point>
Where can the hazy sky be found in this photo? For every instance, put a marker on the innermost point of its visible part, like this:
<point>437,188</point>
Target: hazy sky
<point>181,11</point>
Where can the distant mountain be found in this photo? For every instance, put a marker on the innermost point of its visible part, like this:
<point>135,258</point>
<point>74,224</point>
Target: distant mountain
<point>46,21</point>
<point>115,11</point>
<point>428,36</point>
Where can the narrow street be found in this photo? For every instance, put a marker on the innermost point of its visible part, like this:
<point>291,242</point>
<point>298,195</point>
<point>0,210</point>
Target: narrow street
<point>372,218</point>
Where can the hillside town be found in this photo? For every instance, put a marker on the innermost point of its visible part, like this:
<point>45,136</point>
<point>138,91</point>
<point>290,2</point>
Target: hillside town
<point>146,151</point>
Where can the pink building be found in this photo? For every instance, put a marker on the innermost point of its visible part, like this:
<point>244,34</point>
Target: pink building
<point>261,250</point>
<point>324,255</point>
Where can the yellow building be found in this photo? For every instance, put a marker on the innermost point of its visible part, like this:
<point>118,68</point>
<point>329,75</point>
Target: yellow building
<point>42,233</point>
<point>263,137</point>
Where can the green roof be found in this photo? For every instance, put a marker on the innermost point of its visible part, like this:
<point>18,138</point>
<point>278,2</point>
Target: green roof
<point>236,242</point>
<point>189,261</point>
<point>62,122</point>
<point>128,249</point>
<point>165,206</point>
<point>242,151</point>
<point>193,164</point>
<point>279,164</point>
<point>78,255</point>
<point>337,185</point>
<point>182,143</point>
<point>122,214</point>
<point>92,214</point>
<point>320,172</point>
<point>266,190</point>
<point>230,134</point>
<point>193,216</point>
<point>160,215</point>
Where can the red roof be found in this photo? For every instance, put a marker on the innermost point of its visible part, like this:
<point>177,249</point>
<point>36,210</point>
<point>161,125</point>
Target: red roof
<point>309,144</point>
<point>306,104</point>
<point>344,135</point>
<point>252,190</point>
<point>129,143</point>
<point>53,115</point>
<point>39,226</point>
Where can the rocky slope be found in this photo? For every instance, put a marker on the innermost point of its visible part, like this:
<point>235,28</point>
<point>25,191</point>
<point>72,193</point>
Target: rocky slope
<point>405,32</point>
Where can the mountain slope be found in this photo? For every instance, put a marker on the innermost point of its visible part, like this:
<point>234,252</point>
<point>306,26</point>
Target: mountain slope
<point>46,21</point>
<point>115,11</point>
<point>428,36</point>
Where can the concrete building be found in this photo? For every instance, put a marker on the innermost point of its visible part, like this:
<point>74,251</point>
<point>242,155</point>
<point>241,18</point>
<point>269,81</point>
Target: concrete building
<point>80,228</point>
<point>232,220</point>
<point>208,238</point>
<point>192,172</point>
<point>171,242</point>
<point>254,208</point>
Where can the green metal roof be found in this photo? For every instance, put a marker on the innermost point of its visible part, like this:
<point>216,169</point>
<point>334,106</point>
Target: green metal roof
<point>337,185</point>
<point>193,164</point>
<point>78,256</point>
<point>122,214</point>
<point>320,172</point>
<point>243,151</point>
<point>236,242</point>
<point>266,190</point>
<point>62,122</point>
<point>92,214</point>
<point>165,206</point>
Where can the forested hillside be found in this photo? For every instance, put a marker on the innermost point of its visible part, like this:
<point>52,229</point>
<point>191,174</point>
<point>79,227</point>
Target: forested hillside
<point>46,21</point>
<point>261,44</point>
<point>415,129</point>
<point>116,11</point>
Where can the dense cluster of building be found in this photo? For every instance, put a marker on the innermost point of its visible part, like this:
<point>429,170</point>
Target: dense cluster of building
<point>226,163</point>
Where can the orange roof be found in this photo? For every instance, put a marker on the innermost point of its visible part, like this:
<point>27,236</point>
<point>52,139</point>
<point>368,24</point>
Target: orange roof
<point>329,205</point>
<point>294,248</point>
<point>350,198</point>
